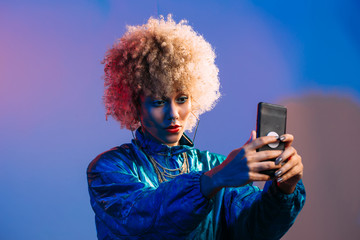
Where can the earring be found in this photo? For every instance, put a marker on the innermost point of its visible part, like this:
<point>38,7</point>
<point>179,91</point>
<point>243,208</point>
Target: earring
<point>197,124</point>
<point>107,114</point>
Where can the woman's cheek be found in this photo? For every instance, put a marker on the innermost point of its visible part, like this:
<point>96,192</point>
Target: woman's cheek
<point>157,115</point>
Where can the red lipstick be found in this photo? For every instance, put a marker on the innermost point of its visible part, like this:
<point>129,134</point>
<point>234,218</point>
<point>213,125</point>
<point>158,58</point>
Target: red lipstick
<point>173,129</point>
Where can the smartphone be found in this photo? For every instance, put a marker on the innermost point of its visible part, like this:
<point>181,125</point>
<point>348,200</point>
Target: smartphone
<point>271,121</point>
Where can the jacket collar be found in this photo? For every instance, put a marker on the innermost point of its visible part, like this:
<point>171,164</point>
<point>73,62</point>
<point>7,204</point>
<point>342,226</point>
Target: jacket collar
<point>152,147</point>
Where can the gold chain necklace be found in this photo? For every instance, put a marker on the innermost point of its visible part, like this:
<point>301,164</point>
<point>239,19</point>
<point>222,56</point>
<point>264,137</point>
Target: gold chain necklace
<point>163,174</point>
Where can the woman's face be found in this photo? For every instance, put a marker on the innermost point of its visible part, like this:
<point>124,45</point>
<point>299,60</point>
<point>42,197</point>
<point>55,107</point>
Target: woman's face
<point>163,119</point>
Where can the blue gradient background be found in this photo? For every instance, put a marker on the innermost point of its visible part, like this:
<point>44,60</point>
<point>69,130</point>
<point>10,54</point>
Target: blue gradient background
<point>52,120</point>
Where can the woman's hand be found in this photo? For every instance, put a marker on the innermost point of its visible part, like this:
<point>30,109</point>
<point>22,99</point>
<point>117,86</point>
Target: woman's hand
<point>291,170</point>
<point>242,166</point>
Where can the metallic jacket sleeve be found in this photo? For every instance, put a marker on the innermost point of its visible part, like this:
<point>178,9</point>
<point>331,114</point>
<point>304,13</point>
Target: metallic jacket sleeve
<point>267,214</point>
<point>131,208</point>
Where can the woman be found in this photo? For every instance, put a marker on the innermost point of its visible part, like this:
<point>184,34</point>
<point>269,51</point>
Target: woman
<point>159,77</point>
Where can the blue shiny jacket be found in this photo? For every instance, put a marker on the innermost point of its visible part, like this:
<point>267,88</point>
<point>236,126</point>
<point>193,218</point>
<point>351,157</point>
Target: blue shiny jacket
<point>129,202</point>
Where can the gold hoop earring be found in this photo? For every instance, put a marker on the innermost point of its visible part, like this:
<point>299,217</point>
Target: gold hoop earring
<point>107,114</point>
<point>197,124</point>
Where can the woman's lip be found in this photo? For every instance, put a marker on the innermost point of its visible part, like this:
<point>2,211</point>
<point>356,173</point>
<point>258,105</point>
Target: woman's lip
<point>173,129</point>
<point>173,126</point>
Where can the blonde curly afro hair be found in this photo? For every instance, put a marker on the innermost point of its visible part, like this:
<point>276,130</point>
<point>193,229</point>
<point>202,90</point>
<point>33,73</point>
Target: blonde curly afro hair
<point>156,59</point>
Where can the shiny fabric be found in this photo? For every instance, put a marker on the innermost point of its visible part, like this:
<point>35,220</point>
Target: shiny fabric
<point>129,202</point>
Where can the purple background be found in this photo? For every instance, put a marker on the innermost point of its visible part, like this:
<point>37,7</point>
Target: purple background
<point>52,120</point>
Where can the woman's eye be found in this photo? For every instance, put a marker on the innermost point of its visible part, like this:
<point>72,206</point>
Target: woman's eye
<point>158,103</point>
<point>182,99</point>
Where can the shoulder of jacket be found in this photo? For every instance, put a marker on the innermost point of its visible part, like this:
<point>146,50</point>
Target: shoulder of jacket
<point>113,157</point>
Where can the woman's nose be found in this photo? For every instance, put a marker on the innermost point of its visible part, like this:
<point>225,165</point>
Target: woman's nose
<point>173,112</point>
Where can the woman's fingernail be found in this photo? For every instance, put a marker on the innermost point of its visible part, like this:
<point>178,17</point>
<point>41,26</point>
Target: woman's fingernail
<point>279,180</point>
<point>282,138</point>
<point>277,173</point>
<point>278,160</point>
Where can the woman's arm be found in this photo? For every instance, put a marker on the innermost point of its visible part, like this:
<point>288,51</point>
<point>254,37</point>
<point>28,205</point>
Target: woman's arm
<point>250,213</point>
<point>130,208</point>
<point>254,214</point>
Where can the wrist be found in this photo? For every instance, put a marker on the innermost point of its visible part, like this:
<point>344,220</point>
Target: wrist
<point>286,188</point>
<point>209,184</point>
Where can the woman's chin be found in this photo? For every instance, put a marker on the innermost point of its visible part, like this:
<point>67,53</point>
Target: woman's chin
<point>173,139</point>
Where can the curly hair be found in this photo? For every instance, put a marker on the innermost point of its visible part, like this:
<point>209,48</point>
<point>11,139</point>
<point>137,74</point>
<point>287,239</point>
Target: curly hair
<point>158,58</point>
